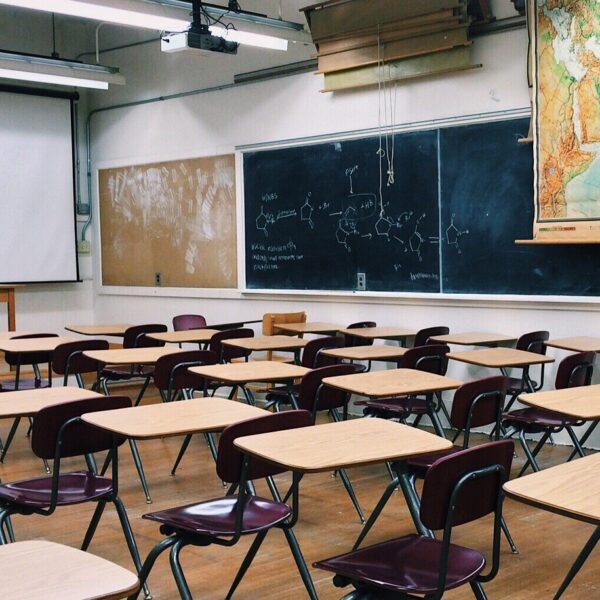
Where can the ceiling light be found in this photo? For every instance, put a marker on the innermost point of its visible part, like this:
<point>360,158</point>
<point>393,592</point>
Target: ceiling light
<point>150,15</point>
<point>57,72</point>
<point>248,38</point>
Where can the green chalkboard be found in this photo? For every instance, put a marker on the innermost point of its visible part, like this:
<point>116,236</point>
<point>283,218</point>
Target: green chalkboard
<point>317,215</point>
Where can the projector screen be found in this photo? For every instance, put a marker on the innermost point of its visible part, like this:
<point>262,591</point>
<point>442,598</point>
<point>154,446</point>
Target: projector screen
<point>37,203</point>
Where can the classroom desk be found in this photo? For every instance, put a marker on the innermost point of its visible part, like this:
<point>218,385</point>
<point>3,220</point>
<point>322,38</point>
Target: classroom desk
<point>200,336</point>
<point>27,403</point>
<point>232,324</point>
<point>42,569</point>
<point>380,333</point>
<point>8,335</point>
<point>474,338</point>
<point>377,352</point>
<point>571,489</point>
<point>269,343</point>
<point>151,421</point>
<point>7,295</point>
<point>582,343</point>
<point>303,328</point>
<point>581,402</point>
<point>347,444</point>
<point>395,382</point>
<point>242,373</point>
<point>117,330</point>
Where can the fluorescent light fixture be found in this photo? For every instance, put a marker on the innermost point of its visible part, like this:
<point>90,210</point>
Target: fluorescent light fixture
<point>248,38</point>
<point>57,72</point>
<point>149,15</point>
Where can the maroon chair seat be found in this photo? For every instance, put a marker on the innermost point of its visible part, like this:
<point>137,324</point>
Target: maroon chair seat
<point>419,465</point>
<point>398,408</point>
<point>224,521</point>
<point>459,488</point>
<point>73,488</point>
<point>70,360</point>
<point>409,563</point>
<point>535,420</point>
<point>423,336</point>
<point>185,322</point>
<point>217,517</point>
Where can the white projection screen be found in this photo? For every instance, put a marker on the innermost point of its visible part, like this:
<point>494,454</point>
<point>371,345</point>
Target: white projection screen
<point>37,201</point>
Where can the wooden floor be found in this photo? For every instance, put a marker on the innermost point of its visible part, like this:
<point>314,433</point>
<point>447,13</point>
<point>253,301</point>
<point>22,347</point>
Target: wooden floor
<point>328,525</point>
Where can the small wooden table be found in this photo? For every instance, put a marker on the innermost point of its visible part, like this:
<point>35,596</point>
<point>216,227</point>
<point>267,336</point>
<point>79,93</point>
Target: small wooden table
<point>117,330</point>
<point>27,403</point>
<point>7,295</point>
<point>243,373</point>
<point>582,343</point>
<point>350,444</point>
<point>475,338</point>
<point>377,352</point>
<point>269,343</point>
<point>571,489</point>
<point>500,358</point>
<point>303,328</point>
<point>41,569</point>
<point>151,421</point>
<point>380,333</point>
<point>395,382</point>
<point>200,336</point>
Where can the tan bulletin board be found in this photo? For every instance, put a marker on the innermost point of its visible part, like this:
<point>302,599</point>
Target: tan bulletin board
<point>170,223</point>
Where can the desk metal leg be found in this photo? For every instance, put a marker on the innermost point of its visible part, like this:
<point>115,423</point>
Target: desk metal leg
<point>591,543</point>
<point>412,501</point>
<point>140,469</point>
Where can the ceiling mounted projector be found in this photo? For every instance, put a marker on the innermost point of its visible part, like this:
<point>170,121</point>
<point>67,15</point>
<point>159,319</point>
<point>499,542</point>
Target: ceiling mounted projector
<point>197,41</point>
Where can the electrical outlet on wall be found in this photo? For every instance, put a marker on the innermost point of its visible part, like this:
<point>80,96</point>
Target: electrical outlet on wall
<point>361,282</point>
<point>84,247</point>
<point>157,281</point>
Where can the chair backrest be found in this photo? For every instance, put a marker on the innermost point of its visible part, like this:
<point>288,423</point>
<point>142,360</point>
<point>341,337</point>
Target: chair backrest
<point>229,458</point>
<point>478,403</point>
<point>533,341</point>
<point>79,438</point>
<point>171,371</point>
<point>353,340</point>
<point>431,358</point>
<point>575,370</point>
<point>311,355</point>
<point>135,337</point>
<point>422,336</point>
<point>271,320</point>
<point>69,359</point>
<point>226,353</point>
<point>477,497</point>
<point>184,322</point>
<point>30,358</point>
<point>313,396</point>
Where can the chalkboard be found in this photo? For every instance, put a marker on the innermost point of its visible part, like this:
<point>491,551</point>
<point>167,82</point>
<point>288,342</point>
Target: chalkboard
<point>315,217</point>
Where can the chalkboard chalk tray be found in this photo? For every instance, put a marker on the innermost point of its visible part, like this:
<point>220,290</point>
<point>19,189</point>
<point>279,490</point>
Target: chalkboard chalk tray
<point>318,215</point>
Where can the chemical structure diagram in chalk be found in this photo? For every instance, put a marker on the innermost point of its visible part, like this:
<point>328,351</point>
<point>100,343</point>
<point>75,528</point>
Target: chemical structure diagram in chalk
<point>266,219</point>
<point>453,235</point>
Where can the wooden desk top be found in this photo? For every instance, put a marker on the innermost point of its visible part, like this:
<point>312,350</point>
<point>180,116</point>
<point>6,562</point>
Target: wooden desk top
<point>375,352</point>
<point>117,330</point>
<point>474,338</point>
<point>302,328</point>
<point>341,445</point>
<point>393,382</point>
<point>149,421</point>
<point>245,372</point>
<point>27,345</point>
<point>130,356</point>
<point>180,337</point>
<point>579,402</point>
<point>267,342</point>
<point>571,489</point>
<point>382,333</point>
<point>582,343</point>
<point>41,569</point>
<point>500,357</point>
<point>27,403</point>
